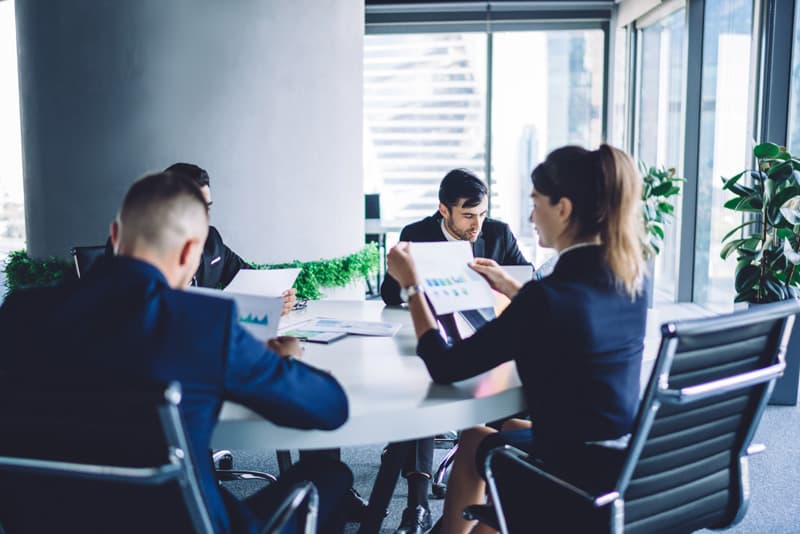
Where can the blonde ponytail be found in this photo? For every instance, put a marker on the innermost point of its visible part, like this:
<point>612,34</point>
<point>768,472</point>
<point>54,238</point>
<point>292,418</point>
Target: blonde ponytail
<point>621,228</point>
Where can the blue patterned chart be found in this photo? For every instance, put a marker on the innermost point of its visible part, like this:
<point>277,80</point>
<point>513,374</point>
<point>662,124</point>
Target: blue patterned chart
<point>450,284</point>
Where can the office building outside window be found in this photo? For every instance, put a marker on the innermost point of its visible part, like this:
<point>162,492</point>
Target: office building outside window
<point>660,126</point>
<point>12,219</point>
<point>425,112</point>
<point>725,142</point>
<point>794,94</point>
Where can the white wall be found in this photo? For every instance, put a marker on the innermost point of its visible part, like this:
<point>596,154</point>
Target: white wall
<point>266,95</point>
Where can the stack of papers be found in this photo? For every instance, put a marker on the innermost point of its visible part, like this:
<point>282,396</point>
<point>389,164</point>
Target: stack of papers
<point>268,283</point>
<point>324,330</point>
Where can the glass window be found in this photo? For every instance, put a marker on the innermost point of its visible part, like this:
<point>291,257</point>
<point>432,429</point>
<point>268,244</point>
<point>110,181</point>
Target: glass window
<point>424,114</point>
<point>12,219</point>
<point>619,121</point>
<point>660,126</point>
<point>547,91</point>
<point>794,95</point>
<point>724,142</point>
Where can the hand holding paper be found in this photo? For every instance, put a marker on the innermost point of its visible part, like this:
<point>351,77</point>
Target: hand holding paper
<point>497,277</point>
<point>400,265</point>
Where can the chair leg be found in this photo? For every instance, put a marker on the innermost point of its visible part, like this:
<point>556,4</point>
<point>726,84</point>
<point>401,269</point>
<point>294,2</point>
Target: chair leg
<point>438,486</point>
<point>284,460</point>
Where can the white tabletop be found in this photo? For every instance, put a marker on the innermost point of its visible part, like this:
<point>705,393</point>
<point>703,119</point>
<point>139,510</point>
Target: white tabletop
<point>390,392</point>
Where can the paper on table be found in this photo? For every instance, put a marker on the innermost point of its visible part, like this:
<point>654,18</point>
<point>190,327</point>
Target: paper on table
<point>363,328</point>
<point>450,284</point>
<point>258,315</point>
<point>269,282</point>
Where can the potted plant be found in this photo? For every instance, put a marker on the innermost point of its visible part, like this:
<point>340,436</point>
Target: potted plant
<point>766,243</point>
<point>660,186</point>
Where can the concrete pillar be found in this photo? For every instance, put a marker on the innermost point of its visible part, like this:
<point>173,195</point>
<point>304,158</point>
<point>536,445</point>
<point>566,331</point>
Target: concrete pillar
<point>265,94</point>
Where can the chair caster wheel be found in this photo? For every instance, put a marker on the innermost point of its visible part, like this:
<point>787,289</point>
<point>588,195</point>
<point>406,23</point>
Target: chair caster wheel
<point>438,490</point>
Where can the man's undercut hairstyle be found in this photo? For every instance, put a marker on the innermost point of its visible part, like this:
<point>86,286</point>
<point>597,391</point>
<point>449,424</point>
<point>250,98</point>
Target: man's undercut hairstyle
<point>161,211</point>
<point>191,171</point>
<point>462,183</point>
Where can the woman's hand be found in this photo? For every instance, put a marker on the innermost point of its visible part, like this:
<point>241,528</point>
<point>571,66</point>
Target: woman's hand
<point>496,276</point>
<point>289,298</point>
<point>400,265</point>
<point>285,346</point>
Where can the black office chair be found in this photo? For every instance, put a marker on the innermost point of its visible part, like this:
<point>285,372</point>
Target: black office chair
<point>685,467</point>
<point>87,458</point>
<point>85,257</point>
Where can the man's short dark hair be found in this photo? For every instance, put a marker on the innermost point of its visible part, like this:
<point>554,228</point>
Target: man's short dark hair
<point>192,171</point>
<point>162,210</point>
<point>462,183</point>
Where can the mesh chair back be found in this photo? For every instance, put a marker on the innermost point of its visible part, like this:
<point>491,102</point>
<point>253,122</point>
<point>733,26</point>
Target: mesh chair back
<point>85,257</point>
<point>698,416</point>
<point>83,458</point>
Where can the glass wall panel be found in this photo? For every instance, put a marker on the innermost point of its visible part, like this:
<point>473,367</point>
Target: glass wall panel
<point>724,142</point>
<point>547,91</point>
<point>424,114</point>
<point>12,219</point>
<point>660,126</point>
<point>619,80</point>
<point>794,94</point>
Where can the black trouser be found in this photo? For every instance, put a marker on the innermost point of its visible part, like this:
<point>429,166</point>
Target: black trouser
<point>332,480</point>
<point>421,460</point>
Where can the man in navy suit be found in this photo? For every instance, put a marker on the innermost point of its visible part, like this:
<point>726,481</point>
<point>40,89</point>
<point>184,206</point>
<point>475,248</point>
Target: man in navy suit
<point>463,205</point>
<point>128,320</point>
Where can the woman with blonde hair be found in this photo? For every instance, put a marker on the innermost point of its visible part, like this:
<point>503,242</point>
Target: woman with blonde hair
<point>576,335</point>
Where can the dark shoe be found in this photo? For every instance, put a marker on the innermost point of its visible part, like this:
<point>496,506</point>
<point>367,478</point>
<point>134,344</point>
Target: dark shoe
<point>355,505</point>
<point>415,521</point>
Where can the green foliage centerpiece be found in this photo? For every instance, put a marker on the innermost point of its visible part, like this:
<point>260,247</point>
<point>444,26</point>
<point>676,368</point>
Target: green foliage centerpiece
<point>23,271</point>
<point>766,243</point>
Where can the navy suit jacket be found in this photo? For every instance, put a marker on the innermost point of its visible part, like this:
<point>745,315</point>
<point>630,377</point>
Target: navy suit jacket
<point>123,322</point>
<point>577,341</point>
<point>496,241</point>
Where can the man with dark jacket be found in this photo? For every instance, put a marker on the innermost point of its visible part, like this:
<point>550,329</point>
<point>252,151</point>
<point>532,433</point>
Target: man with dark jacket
<point>463,205</point>
<point>128,321</point>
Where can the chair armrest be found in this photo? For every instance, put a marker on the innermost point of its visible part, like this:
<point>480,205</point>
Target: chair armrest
<point>301,493</point>
<point>226,475</point>
<point>597,499</point>
<point>700,392</point>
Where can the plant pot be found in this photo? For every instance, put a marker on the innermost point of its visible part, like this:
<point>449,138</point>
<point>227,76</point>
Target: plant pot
<point>786,387</point>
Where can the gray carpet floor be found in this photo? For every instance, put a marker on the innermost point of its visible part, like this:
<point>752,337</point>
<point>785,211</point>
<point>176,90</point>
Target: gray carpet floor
<point>774,477</point>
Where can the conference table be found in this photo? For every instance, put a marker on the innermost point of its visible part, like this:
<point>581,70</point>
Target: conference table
<point>392,399</point>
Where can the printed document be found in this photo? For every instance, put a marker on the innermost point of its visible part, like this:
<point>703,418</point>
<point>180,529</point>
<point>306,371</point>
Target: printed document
<point>258,315</point>
<point>450,283</point>
<point>265,282</point>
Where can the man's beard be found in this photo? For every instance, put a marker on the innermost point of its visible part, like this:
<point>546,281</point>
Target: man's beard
<point>464,236</point>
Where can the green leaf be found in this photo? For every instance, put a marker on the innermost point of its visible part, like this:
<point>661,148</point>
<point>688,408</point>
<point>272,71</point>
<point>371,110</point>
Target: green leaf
<point>752,243</point>
<point>766,150</point>
<point>728,182</point>
<point>783,233</point>
<point>791,210</point>
<point>746,278</point>
<point>780,172</point>
<point>737,228</point>
<point>792,255</point>
<point>730,247</point>
<point>666,207</point>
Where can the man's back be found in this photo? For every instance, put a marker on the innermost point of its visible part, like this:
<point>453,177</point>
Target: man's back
<point>124,323</point>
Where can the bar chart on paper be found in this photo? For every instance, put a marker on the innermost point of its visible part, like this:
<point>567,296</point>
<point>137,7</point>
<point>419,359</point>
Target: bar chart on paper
<point>450,284</point>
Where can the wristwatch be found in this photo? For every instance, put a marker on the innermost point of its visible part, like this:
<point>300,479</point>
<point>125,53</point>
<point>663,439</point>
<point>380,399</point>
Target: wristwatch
<point>407,292</point>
